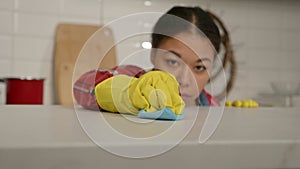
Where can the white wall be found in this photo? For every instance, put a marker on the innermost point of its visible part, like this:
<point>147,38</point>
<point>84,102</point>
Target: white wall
<point>265,34</point>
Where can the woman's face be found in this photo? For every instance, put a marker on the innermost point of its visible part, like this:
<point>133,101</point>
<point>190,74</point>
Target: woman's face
<point>189,57</point>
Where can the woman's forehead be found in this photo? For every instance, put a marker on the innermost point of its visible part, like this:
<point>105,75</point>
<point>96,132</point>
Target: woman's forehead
<point>191,45</point>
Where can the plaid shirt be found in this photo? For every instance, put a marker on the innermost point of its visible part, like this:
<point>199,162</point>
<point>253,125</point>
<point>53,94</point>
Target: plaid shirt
<point>205,99</point>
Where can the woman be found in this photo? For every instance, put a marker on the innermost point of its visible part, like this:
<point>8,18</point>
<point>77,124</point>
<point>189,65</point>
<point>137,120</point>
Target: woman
<point>185,42</point>
<point>189,51</point>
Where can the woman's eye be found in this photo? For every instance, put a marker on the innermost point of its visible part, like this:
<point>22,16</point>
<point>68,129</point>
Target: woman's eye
<point>172,62</point>
<point>200,68</point>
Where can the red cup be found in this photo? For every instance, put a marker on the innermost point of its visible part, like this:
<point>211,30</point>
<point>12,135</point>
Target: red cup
<point>24,91</point>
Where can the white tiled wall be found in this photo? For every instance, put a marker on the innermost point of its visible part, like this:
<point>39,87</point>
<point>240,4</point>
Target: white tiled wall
<point>265,35</point>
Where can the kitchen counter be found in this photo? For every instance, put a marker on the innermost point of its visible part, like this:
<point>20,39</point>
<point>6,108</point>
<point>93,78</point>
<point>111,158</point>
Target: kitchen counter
<point>51,137</point>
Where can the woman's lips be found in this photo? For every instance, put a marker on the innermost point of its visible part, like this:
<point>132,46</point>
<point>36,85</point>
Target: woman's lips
<point>185,95</point>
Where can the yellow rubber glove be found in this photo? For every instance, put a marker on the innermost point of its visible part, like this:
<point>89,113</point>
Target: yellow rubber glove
<point>151,92</point>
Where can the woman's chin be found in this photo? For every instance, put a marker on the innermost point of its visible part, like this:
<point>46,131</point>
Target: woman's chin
<point>189,102</point>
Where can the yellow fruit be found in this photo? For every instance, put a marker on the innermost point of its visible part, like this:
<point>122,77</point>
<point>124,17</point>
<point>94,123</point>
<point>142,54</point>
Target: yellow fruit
<point>245,104</point>
<point>237,103</point>
<point>242,103</point>
<point>255,104</point>
<point>228,103</point>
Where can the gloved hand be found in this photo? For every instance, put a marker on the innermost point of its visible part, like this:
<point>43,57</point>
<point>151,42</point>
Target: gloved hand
<point>154,92</point>
<point>83,88</point>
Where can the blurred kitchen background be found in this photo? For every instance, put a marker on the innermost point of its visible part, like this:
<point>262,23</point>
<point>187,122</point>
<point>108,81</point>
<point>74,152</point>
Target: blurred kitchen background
<point>265,36</point>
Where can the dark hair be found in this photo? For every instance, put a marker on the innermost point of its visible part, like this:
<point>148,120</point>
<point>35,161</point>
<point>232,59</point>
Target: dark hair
<point>168,25</point>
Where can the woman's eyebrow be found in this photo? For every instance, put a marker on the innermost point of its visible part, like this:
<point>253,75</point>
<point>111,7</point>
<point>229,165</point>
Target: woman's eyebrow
<point>203,60</point>
<point>199,60</point>
<point>175,53</point>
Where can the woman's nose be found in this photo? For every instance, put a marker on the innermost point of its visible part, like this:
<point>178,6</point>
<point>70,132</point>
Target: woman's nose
<point>183,77</point>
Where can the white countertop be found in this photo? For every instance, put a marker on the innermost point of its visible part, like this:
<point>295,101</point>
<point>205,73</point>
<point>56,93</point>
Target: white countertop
<point>51,137</point>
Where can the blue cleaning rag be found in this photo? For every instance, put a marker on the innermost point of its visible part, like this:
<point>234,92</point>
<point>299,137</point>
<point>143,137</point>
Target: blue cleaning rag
<point>164,114</point>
